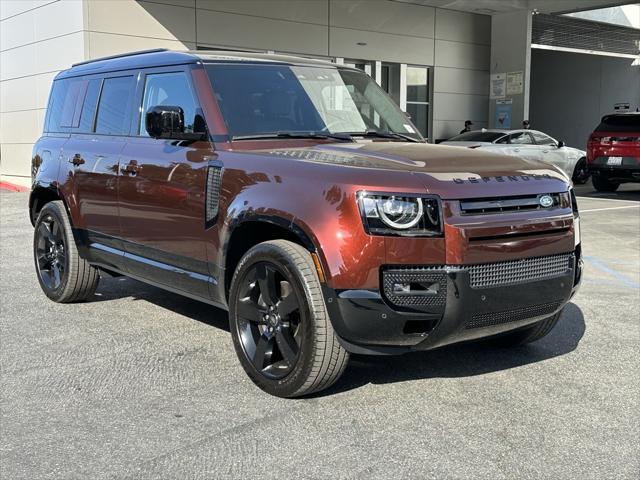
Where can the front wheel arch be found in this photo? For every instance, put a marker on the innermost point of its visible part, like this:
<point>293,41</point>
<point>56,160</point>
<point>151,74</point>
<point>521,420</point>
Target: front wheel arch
<point>250,231</point>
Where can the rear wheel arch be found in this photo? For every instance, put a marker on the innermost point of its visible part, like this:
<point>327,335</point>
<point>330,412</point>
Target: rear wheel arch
<point>40,196</point>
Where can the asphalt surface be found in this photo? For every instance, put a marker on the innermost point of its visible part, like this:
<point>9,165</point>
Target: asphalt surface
<point>141,383</point>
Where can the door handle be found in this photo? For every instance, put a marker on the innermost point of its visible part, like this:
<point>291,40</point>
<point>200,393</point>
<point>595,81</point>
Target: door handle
<point>545,151</point>
<point>516,149</point>
<point>131,168</point>
<point>77,160</point>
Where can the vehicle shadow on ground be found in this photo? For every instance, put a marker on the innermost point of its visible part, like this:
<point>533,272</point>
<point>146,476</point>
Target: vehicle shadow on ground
<point>123,287</point>
<point>462,360</point>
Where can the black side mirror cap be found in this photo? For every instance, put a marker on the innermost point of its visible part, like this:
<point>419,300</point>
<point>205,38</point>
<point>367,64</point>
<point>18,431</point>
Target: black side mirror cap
<point>560,144</point>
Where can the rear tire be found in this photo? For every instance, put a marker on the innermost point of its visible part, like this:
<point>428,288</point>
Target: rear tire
<point>528,334</point>
<point>581,172</point>
<point>279,322</point>
<point>603,184</point>
<point>64,276</point>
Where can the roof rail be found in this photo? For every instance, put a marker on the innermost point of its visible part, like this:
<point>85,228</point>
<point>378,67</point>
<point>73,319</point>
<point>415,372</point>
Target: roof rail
<point>130,54</point>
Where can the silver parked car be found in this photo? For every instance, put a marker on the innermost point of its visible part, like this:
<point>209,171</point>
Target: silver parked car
<point>528,144</point>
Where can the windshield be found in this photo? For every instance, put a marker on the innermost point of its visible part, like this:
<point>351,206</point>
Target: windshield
<point>477,136</point>
<point>276,99</point>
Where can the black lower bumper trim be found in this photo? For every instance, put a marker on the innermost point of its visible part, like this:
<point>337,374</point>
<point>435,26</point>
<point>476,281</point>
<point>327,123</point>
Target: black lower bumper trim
<point>367,324</point>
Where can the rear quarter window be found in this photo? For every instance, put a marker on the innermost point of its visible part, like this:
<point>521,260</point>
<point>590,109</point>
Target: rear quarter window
<point>64,105</point>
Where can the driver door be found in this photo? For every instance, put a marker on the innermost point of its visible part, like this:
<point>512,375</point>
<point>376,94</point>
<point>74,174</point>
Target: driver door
<point>162,190</point>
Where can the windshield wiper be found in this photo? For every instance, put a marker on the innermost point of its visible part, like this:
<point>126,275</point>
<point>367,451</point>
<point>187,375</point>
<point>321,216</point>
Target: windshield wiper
<point>319,135</point>
<point>376,133</point>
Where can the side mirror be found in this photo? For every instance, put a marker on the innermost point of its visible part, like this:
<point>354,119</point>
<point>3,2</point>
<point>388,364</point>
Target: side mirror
<point>165,121</point>
<point>560,144</point>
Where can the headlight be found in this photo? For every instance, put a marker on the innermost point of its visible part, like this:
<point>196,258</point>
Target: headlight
<point>387,214</point>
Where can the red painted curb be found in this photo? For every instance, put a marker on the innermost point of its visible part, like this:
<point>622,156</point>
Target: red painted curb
<point>12,187</point>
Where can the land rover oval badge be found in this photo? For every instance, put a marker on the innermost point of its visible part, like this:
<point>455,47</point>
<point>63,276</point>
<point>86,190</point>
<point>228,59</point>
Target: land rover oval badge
<point>546,201</point>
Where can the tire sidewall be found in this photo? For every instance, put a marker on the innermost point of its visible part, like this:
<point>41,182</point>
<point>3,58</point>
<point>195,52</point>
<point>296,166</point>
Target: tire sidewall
<point>290,384</point>
<point>51,210</point>
<point>580,166</point>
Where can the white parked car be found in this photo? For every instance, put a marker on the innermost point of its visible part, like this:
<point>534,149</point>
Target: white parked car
<point>528,144</point>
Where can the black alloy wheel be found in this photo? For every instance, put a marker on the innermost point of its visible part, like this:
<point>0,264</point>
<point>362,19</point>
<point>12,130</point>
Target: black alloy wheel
<point>63,274</point>
<point>270,320</point>
<point>51,257</point>
<point>279,323</point>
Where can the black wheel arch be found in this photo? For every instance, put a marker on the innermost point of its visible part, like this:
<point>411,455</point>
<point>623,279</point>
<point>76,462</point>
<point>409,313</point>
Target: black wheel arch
<point>247,231</point>
<point>41,195</point>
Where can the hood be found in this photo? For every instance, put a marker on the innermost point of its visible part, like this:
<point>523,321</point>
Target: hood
<point>450,172</point>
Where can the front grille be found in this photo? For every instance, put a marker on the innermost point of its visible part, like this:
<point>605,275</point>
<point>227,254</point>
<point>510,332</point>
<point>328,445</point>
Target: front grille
<point>519,271</point>
<point>482,206</point>
<point>482,320</point>
<point>428,286</point>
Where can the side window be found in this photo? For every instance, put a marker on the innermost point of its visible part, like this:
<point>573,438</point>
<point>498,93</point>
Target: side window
<point>65,104</point>
<point>170,89</point>
<point>114,107</point>
<point>520,138</point>
<point>89,107</point>
<point>503,140</point>
<point>542,139</point>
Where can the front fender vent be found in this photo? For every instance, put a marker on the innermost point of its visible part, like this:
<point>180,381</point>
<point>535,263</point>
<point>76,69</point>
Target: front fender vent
<point>214,178</point>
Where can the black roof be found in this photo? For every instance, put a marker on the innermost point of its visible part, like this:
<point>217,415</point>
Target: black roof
<point>163,57</point>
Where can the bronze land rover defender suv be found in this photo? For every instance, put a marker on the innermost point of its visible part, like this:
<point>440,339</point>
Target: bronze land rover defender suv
<point>295,194</point>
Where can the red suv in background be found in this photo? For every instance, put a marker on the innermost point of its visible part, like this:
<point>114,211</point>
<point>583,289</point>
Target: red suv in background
<point>613,151</point>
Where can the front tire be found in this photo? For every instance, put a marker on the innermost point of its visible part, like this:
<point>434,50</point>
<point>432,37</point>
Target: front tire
<point>279,323</point>
<point>528,334</point>
<point>603,184</point>
<point>64,276</point>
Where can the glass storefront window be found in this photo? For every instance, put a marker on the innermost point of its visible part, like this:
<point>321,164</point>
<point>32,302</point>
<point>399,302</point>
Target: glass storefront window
<point>418,97</point>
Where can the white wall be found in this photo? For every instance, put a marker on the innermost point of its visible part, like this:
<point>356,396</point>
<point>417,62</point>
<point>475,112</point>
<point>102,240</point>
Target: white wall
<point>461,72</point>
<point>38,38</point>
<point>41,37</point>
<point>510,52</point>
<point>570,92</point>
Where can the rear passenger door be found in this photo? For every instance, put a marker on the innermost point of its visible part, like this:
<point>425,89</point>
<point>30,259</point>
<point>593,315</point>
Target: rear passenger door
<point>162,190</point>
<point>92,155</point>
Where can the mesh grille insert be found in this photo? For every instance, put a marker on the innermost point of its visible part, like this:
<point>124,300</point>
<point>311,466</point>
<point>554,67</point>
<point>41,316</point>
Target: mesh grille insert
<point>497,318</point>
<point>519,271</point>
<point>419,276</point>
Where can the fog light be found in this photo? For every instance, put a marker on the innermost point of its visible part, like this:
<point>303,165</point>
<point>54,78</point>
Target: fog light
<point>401,288</point>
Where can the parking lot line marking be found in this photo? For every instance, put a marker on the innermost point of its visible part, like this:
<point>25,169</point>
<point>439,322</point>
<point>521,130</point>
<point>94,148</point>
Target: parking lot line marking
<point>624,280</point>
<point>608,208</point>
<point>602,199</point>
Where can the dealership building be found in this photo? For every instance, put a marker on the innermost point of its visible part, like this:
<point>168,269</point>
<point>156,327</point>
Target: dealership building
<point>562,64</point>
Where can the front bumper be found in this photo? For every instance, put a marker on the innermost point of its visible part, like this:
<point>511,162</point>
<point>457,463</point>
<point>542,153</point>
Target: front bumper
<point>367,322</point>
